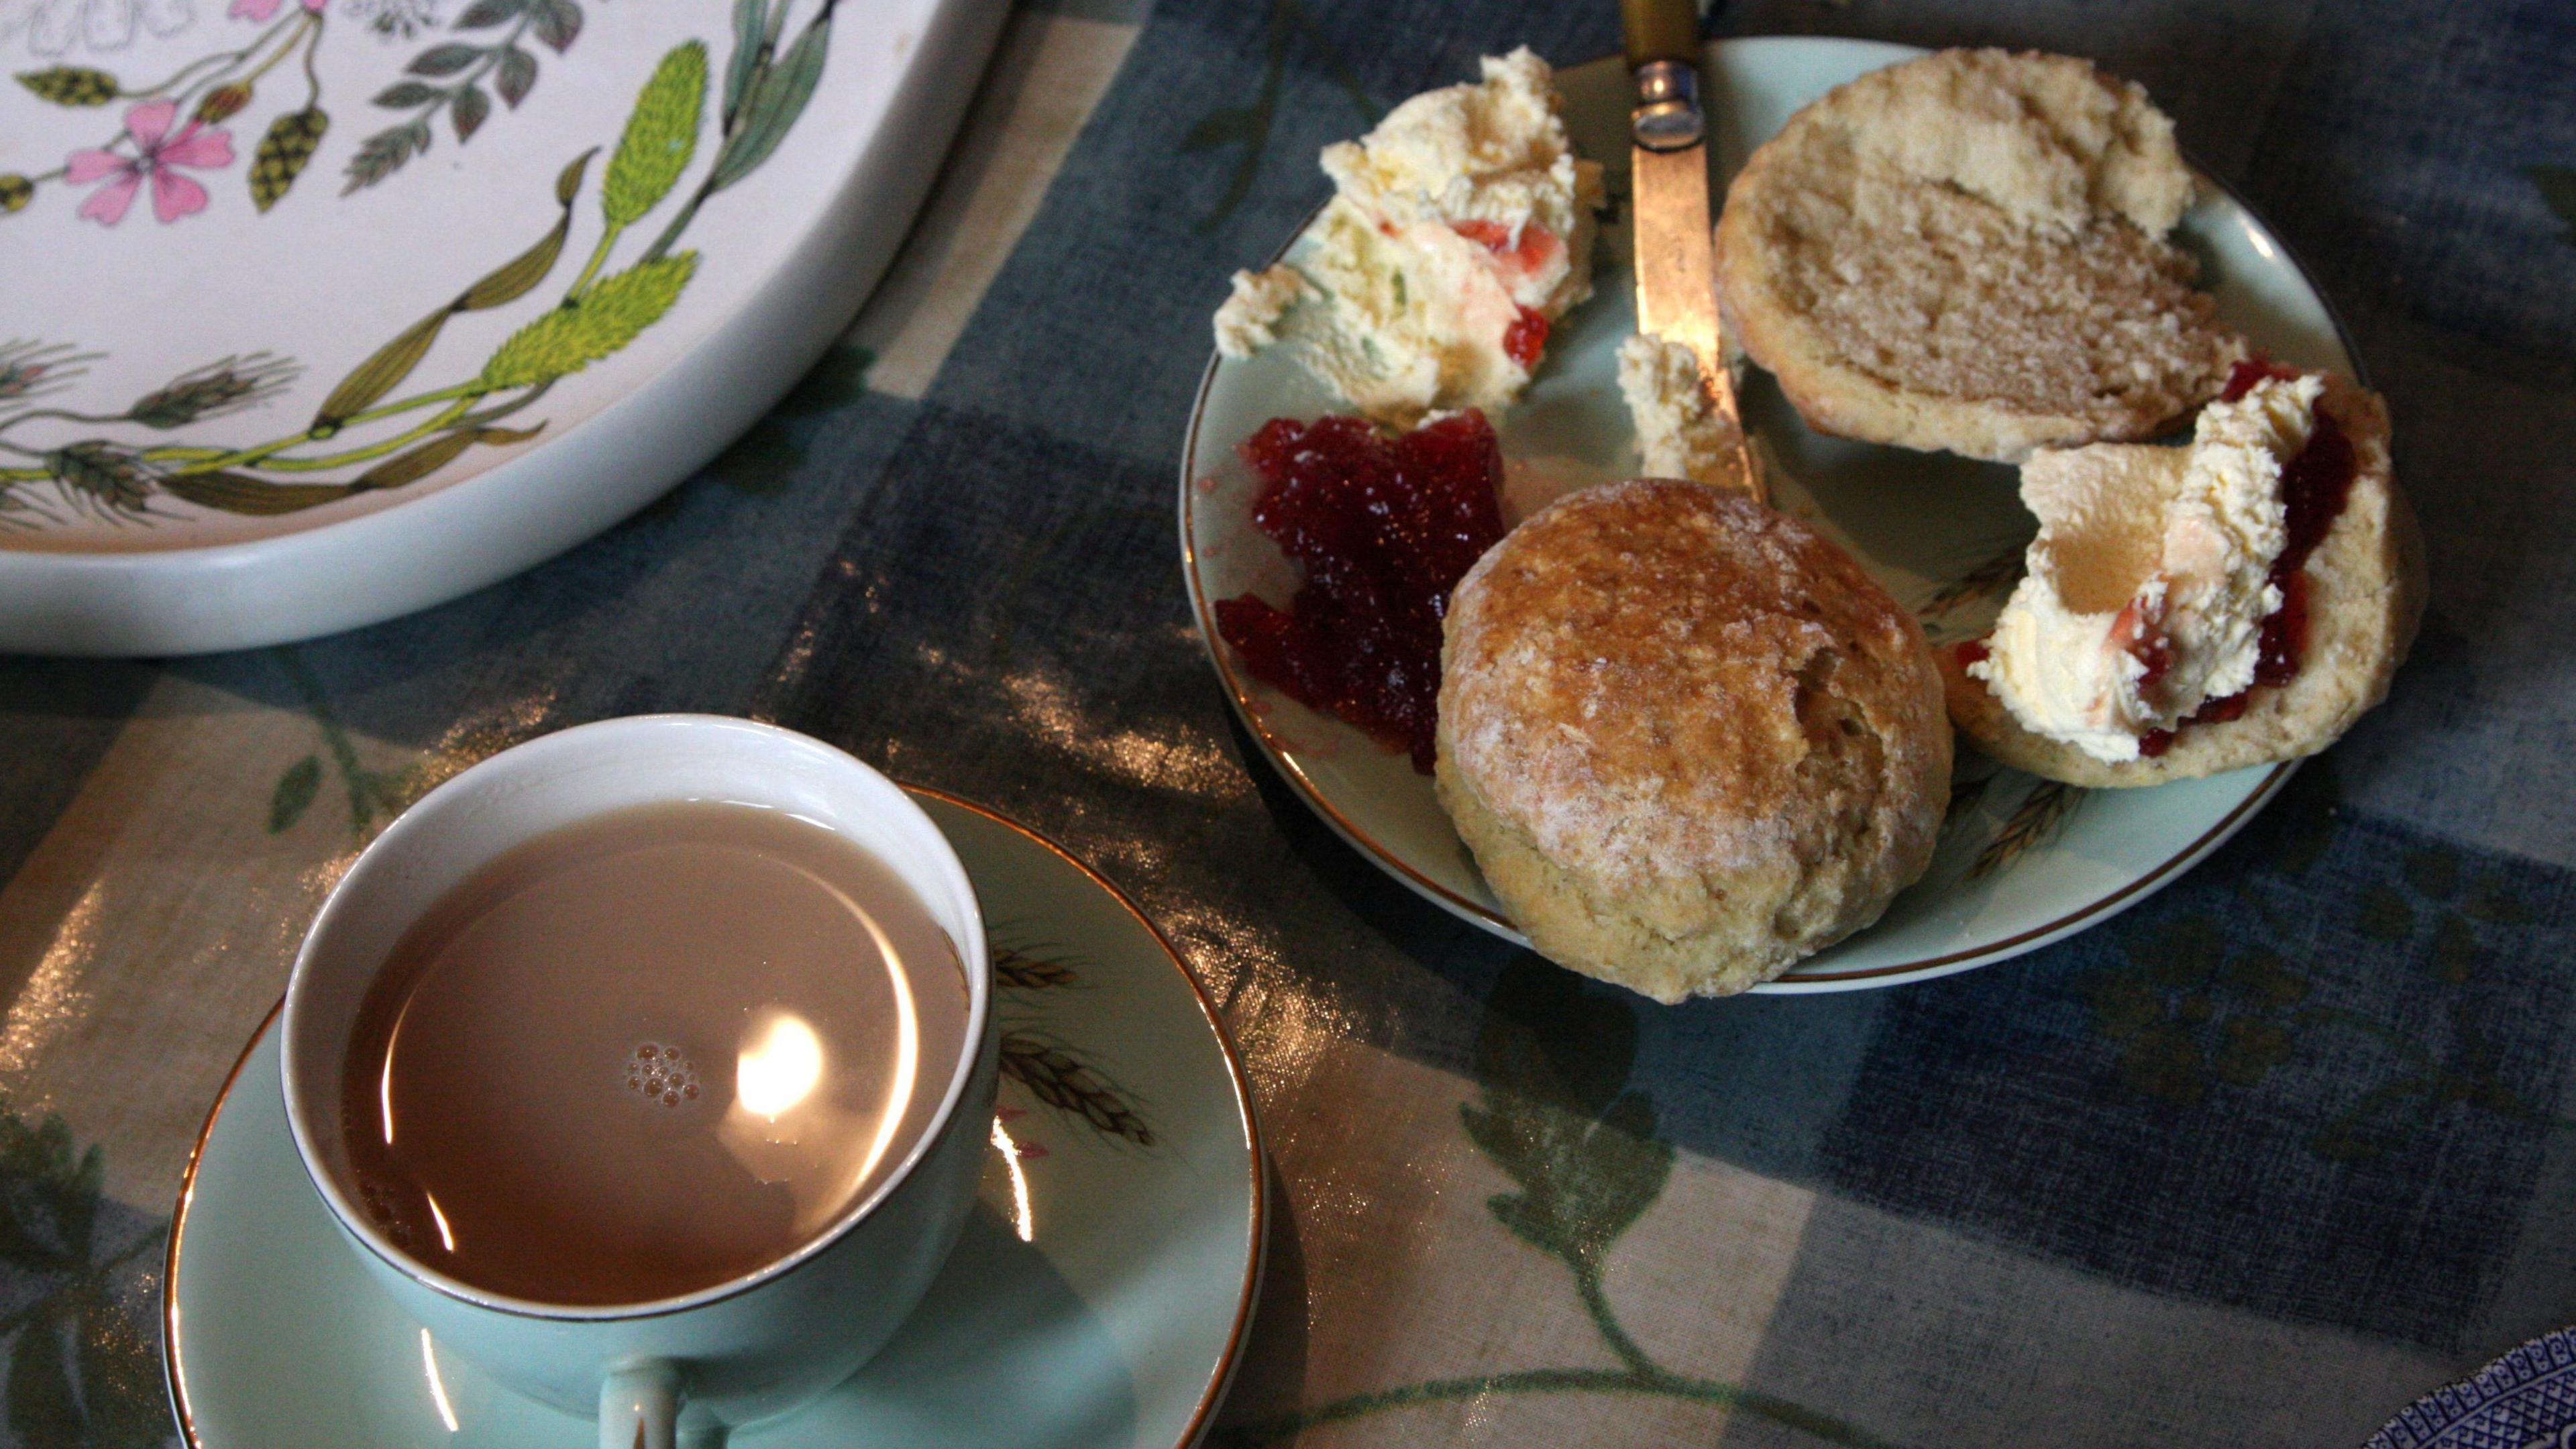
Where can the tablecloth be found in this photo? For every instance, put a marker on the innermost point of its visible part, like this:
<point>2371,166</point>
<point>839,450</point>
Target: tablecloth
<point>2255,1163</point>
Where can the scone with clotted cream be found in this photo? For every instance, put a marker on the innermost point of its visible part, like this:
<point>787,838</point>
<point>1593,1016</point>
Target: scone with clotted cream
<point>2192,610</point>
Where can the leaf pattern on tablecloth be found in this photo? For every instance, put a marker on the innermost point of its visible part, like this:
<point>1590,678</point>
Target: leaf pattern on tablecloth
<point>1247,127</point>
<point>2200,1007</point>
<point>82,1371</point>
<point>1555,1112</point>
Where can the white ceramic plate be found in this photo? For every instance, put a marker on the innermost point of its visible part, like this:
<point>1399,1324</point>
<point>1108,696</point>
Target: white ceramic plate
<point>314,314</point>
<point>2021,863</point>
<point>1099,1299</point>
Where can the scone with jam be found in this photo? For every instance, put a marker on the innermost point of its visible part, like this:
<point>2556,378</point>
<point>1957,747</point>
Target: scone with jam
<point>1459,231</point>
<point>2236,602</point>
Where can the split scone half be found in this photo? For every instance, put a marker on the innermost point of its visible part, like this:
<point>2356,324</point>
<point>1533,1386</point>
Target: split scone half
<point>2160,634</point>
<point>1688,740</point>
<point>1971,252</point>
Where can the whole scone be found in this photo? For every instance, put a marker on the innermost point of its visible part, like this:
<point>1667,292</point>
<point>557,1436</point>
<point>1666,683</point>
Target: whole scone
<point>1969,251</point>
<point>1687,738</point>
<point>2366,591</point>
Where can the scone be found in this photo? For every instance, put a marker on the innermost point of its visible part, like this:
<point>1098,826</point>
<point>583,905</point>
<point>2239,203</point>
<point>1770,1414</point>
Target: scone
<point>1969,251</point>
<point>2361,594</point>
<point>1687,738</point>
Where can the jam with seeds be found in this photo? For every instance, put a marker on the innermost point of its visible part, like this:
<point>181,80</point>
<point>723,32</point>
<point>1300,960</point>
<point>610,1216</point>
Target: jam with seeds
<point>1383,530</point>
<point>2314,487</point>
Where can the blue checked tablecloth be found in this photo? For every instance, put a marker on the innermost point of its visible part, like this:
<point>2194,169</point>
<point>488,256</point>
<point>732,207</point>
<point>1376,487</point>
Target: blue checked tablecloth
<point>2259,1162</point>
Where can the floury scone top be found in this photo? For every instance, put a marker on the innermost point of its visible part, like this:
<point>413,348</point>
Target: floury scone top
<point>1459,231</point>
<point>2150,579</point>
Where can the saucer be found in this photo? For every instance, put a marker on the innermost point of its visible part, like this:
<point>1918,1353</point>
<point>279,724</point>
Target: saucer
<point>2021,861</point>
<point>1100,1296</point>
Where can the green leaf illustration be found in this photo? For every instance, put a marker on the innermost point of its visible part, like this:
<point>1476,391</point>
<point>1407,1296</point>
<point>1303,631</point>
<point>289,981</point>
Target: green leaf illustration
<point>379,374</point>
<point>290,143</point>
<point>568,180</point>
<point>1554,1057</point>
<point>558,23</point>
<point>484,14</point>
<point>437,453</point>
<point>514,278</point>
<point>445,59</point>
<point>515,76</point>
<point>467,110</point>
<point>294,793</point>
<point>70,85</point>
<point>777,97</point>
<point>610,315</point>
<point>750,30</point>
<point>384,153</point>
<point>403,94</point>
<point>251,497</point>
<point>661,136</point>
<point>417,464</point>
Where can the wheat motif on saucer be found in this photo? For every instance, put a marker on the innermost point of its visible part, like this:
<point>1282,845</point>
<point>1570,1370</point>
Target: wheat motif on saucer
<point>1054,1070</point>
<point>2033,822</point>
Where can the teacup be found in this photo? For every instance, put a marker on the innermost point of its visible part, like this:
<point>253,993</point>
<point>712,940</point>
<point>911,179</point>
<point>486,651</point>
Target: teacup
<point>765,1342</point>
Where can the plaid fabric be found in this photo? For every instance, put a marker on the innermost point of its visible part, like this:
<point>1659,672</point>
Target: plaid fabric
<point>2257,1163</point>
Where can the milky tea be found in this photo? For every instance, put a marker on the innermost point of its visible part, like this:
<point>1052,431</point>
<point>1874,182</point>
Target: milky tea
<point>649,1052</point>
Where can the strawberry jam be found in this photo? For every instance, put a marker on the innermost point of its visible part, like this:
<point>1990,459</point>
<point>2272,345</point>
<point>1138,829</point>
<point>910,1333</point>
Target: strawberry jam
<point>2314,487</point>
<point>1383,529</point>
<point>1525,339</point>
<point>1533,248</point>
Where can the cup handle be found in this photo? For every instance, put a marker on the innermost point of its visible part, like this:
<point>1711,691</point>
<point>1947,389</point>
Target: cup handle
<point>639,1406</point>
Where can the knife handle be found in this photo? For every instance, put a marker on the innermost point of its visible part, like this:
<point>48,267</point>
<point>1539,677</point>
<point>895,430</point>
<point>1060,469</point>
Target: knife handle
<point>1661,30</point>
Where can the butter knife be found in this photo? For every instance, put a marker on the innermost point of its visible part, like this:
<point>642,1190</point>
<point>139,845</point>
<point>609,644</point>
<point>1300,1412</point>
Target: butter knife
<point>1676,258</point>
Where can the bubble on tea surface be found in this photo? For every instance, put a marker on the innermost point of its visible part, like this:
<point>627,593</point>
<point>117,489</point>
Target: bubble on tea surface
<point>661,1074</point>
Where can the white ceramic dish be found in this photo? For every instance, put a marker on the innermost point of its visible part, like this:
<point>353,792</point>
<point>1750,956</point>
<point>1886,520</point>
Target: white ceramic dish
<point>2021,863</point>
<point>258,399</point>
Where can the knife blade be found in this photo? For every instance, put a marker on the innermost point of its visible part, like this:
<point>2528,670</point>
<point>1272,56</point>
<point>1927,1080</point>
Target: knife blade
<point>1676,257</point>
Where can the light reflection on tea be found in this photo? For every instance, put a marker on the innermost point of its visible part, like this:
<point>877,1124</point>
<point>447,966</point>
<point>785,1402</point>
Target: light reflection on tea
<point>648,1053</point>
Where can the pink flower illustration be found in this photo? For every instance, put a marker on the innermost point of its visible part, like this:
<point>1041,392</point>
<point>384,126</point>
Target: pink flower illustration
<point>156,153</point>
<point>262,9</point>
